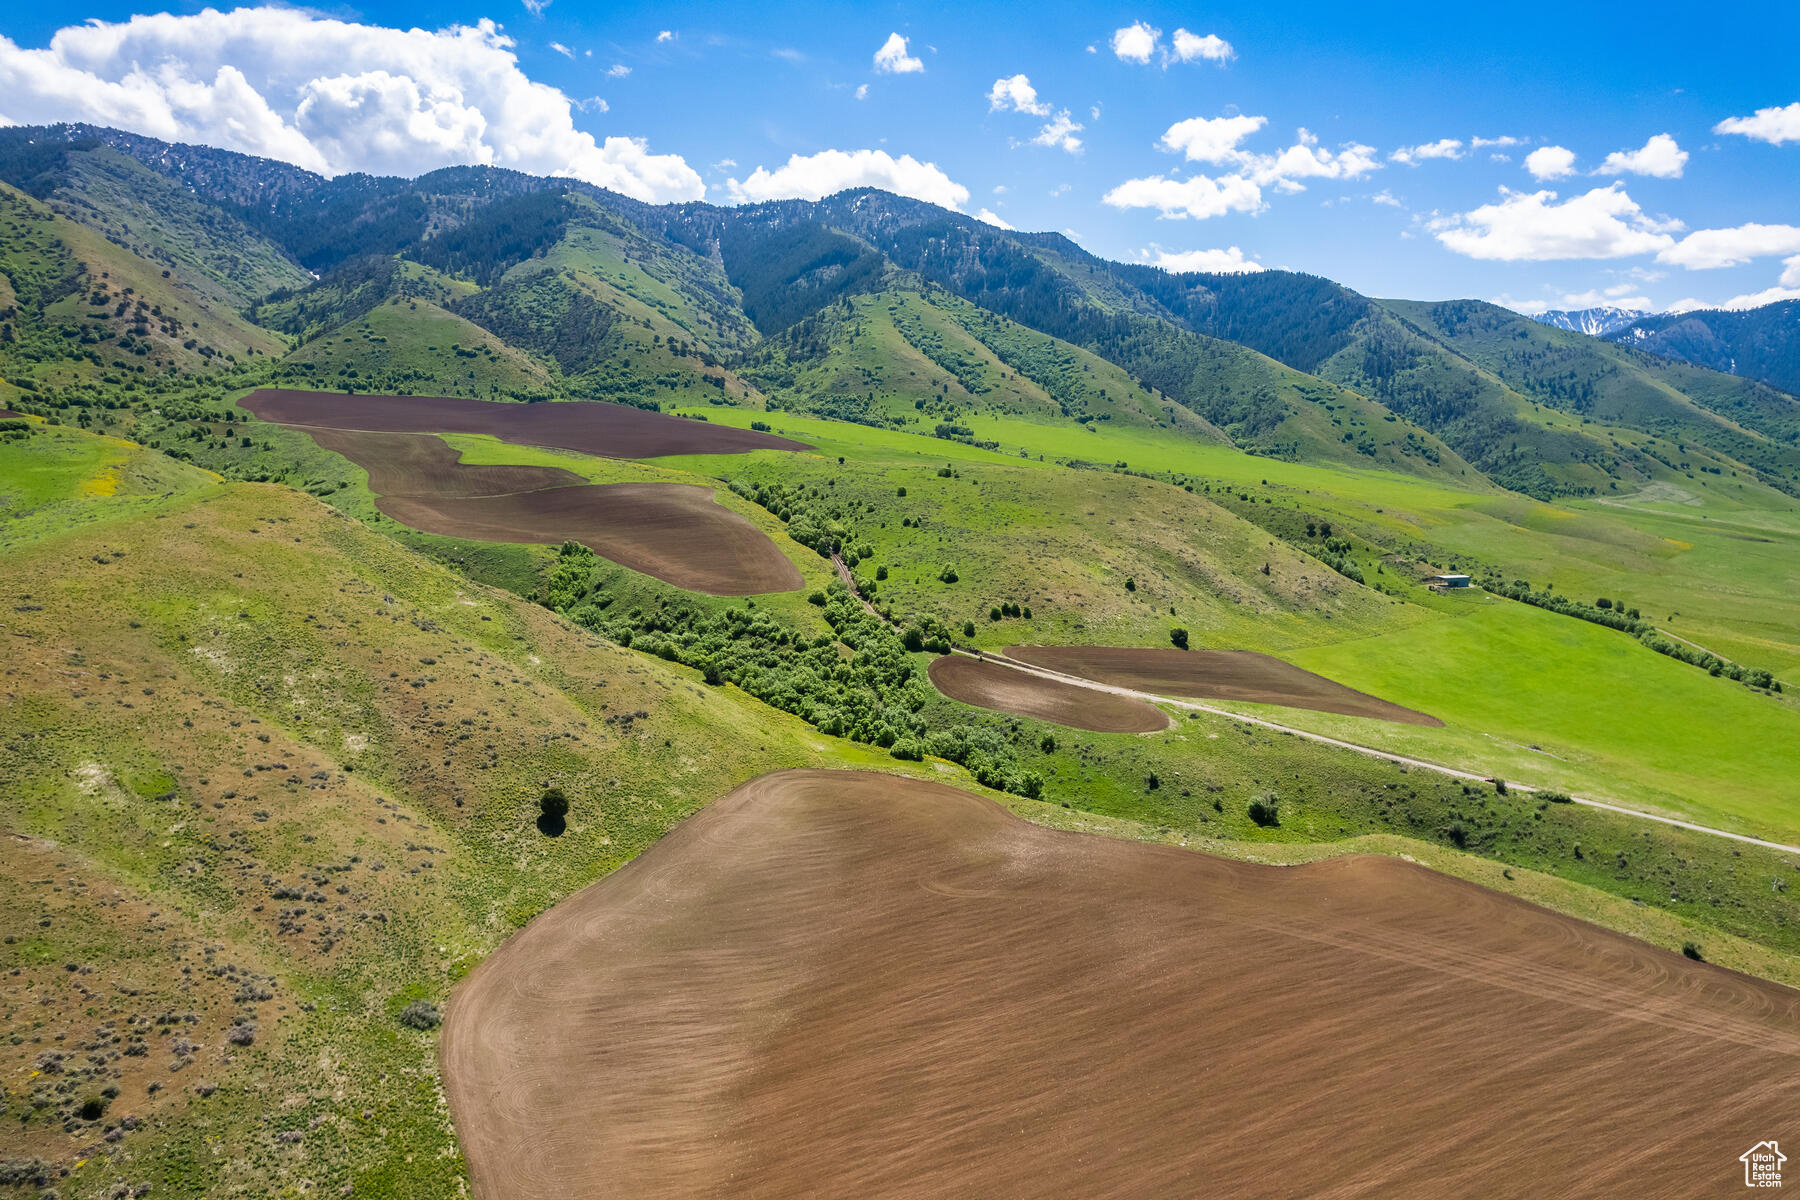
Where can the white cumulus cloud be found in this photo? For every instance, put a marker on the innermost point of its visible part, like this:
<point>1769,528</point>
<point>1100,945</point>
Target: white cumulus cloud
<point>814,176</point>
<point>1306,159</point>
<point>1219,140</point>
<point>1412,156</point>
<point>1210,139</point>
<point>1772,125</point>
<point>1659,157</point>
<point>1198,197</point>
<point>1550,162</point>
<point>1709,249</point>
<point>992,218</point>
<point>1141,42</point>
<point>666,35</point>
<point>1016,93</point>
<point>1532,226</point>
<point>1616,296</point>
<point>892,58</point>
<point>1194,47</point>
<point>1229,261</point>
<point>1136,42</point>
<point>562,49</point>
<point>1060,131</point>
<point>328,95</point>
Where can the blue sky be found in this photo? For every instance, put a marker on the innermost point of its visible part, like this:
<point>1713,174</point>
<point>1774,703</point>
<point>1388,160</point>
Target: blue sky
<point>1647,156</point>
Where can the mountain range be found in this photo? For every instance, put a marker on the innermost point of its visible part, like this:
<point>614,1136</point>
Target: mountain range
<point>130,259</point>
<point>1597,322</point>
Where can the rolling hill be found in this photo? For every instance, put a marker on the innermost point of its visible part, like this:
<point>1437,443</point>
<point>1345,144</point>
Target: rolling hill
<point>279,764</point>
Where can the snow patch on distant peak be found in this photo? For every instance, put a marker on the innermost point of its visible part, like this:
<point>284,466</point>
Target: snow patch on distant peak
<point>1595,322</point>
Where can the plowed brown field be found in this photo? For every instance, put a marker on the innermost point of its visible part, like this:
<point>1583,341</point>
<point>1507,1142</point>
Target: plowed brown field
<point>851,984</point>
<point>1215,675</point>
<point>1008,690</point>
<point>677,532</point>
<point>608,430</point>
<point>423,464</point>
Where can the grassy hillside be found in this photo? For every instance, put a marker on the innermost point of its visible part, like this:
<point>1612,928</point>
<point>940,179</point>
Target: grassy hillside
<point>272,784</point>
<point>914,355</point>
<point>82,307</point>
<point>295,769</point>
<point>148,214</point>
<point>1741,420</point>
<point>416,345</point>
<point>619,320</point>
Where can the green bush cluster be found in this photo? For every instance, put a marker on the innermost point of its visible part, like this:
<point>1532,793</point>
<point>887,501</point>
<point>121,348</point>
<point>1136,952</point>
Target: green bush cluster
<point>875,696</point>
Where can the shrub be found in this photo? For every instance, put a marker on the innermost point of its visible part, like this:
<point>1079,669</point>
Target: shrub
<point>1555,797</point>
<point>1692,950</point>
<point>1458,834</point>
<point>817,598</point>
<point>994,613</point>
<point>1499,785</point>
<point>421,1014</point>
<point>93,1108</point>
<point>881,574</point>
<point>947,575</point>
<point>900,492</point>
<point>554,804</point>
<point>1179,637</point>
<point>1130,584</point>
<point>1047,743</point>
<point>968,629</point>
<point>1265,811</point>
<point>1152,781</point>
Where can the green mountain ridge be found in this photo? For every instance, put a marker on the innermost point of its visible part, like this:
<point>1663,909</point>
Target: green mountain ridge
<point>545,288</point>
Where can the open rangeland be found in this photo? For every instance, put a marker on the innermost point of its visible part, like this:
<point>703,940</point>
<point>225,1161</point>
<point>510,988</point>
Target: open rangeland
<point>1215,675</point>
<point>862,985</point>
<point>607,430</point>
<point>1008,690</point>
<point>677,532</point>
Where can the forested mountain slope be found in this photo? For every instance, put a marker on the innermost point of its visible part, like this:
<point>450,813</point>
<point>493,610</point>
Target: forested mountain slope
<point>480,281</point>
<point>1759,343</point>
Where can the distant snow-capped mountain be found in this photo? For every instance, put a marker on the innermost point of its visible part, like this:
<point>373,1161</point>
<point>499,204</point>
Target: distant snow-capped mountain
<point>1596,322</point>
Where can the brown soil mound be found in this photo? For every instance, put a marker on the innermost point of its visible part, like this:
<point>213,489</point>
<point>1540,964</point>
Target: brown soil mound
<point>608,430</point>
<point>675,531</point>
<point>855,985</point>
<point>1004,689</point>
<point>1215,675</point>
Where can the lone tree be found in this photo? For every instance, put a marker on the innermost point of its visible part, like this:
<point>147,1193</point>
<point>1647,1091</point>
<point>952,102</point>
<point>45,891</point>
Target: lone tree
<point>553,804</point>
<point>1179,637</point>
<point>1265,811</point>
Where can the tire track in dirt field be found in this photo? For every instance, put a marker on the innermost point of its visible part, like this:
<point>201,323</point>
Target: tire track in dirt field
<point>857,984</point>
